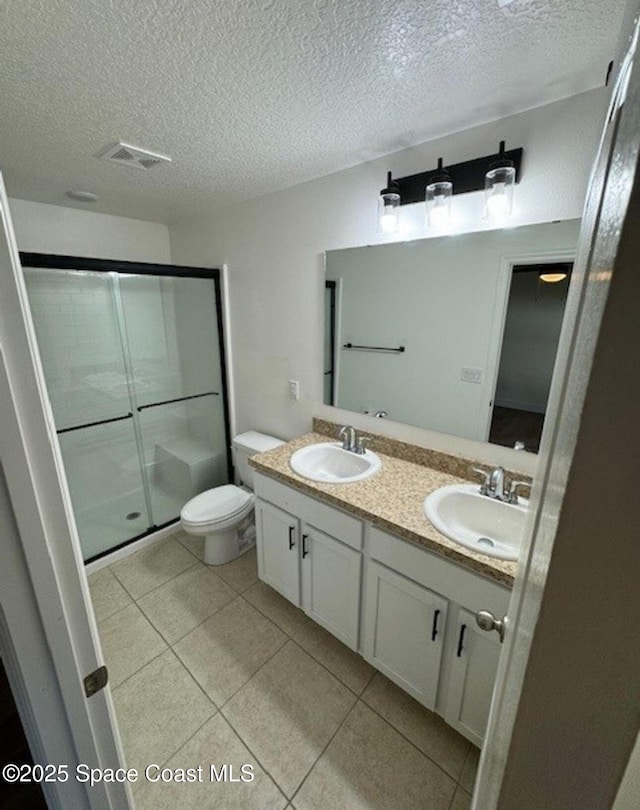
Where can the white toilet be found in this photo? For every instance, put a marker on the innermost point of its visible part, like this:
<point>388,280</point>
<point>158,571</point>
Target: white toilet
<point>224,515</point>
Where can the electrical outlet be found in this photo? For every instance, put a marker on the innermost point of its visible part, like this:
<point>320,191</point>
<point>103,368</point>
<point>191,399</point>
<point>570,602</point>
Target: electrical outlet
<point>471,375</point>
<point>294,389</point>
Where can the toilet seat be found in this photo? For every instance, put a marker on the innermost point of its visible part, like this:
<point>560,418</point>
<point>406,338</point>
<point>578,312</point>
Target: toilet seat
<point>217,506</point>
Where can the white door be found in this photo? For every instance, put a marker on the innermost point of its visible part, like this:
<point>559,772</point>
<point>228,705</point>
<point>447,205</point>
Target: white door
<point>331,584</point>
<point>404,631</point>
<point>278,540</point>
<point>48,631</point>
<point>472,678</point>
<point>600,243</point>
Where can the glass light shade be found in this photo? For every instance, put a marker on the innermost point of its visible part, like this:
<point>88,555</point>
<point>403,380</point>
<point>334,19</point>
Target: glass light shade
<point>438,202</point>
<point>552,278</point>
<point>388,212</point>
<point>498,192</point>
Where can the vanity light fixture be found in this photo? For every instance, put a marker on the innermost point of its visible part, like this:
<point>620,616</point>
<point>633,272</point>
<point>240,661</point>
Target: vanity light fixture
<point>389,207</point>
<point>438,199</point>
<point>498,187</point>
<point>495,174</point>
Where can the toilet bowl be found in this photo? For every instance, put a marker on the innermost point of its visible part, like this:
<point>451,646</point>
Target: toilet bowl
<point>224,515</point>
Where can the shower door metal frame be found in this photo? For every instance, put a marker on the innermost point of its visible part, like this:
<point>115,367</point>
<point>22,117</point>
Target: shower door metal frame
<point>80,263</point>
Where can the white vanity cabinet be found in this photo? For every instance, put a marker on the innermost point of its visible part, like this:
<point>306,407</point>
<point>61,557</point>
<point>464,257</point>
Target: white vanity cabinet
<point>312,555</point>
<point>408,611</point>
<point>468,657</point>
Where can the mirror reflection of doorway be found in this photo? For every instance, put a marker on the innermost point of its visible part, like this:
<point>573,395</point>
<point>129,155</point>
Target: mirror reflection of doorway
<point>535,310</point>
<point>329,342</point>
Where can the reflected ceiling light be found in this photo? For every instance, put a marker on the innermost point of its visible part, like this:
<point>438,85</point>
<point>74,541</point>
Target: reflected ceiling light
<point>498,187</point>
<point>389,207</point>
<point>495,174</point>
<point>438,199</point>
<point>552,278</point>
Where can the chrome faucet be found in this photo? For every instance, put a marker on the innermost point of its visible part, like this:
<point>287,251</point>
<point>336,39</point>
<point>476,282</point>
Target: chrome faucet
<point>493,483</point>
<point>348,436</point>
<point>496,484</point>
<point>351,441</point>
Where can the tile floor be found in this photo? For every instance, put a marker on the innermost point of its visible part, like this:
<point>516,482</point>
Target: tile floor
<point>211,666</point>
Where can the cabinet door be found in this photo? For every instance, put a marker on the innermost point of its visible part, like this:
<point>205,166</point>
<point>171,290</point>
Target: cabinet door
<point>404,629</point>
<point>473,673</point>
<point>278,539</point>
<point>331,584</point>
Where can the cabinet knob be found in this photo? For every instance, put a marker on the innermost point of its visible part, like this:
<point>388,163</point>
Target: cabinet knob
<point>291,531</point>
<point>305,550</point>
<point>487,621</point>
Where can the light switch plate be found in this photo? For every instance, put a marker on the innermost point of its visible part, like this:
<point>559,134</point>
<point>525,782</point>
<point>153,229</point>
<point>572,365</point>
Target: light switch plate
<point>294,389</point>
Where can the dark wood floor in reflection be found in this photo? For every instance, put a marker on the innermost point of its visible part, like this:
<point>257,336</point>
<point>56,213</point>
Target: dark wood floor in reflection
<point>510,425</point>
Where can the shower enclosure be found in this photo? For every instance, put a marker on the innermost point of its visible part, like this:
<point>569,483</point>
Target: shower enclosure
<point>133,357</point>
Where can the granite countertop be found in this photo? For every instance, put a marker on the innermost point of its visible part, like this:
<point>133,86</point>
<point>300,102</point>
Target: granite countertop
<point>391,500</point>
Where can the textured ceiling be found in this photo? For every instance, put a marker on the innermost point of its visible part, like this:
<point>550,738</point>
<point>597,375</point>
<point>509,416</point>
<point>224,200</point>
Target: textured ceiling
<point>250,96</point>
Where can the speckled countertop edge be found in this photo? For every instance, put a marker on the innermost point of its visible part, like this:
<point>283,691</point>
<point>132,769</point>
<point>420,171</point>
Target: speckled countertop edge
<point>391,500</point>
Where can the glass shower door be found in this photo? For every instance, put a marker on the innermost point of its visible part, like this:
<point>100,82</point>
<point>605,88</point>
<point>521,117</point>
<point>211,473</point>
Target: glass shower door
<point>173,345</point>
<point>79,338</point>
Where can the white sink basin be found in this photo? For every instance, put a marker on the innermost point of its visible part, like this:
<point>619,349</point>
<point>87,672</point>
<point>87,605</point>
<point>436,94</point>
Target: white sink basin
<point>476,521</point>
<point>329,463</point>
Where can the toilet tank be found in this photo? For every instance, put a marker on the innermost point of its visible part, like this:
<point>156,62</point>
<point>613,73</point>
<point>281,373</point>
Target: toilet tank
<point>246,445</point>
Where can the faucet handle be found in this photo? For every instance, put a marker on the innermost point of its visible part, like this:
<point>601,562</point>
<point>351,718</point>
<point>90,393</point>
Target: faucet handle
<point>486,474</point>
<point>513,490</point>
<point>361,444</point>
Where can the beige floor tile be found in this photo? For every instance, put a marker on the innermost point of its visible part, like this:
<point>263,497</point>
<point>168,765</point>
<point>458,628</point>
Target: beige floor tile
<point>107,594</point>
<point>345,664</point>
<point>217,744</point>
<point>462,800</point>
<point>470,768</point>
<point>181,604</point>
<point>287,616</point>
<point>425,729</point>
<point>153,566</point>
<point>287,714</point>
<point>369,766</point>
<point>240,573</point>
<point>193,544</point>
<point>158,710</point>
<point>227,649</point>
<point>128,643</point>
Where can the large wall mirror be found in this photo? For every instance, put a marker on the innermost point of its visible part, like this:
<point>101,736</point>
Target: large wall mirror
<point>456,334</point>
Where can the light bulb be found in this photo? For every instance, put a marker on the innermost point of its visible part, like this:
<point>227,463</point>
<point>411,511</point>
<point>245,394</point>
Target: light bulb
<point>497,202</point>
<point>440,214</point>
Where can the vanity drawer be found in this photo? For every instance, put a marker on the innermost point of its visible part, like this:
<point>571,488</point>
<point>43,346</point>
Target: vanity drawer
<point>328,519</point>
<point>437,573</point>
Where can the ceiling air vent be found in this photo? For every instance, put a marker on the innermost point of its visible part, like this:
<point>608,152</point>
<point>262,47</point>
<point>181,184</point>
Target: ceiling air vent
<point>128,155</point>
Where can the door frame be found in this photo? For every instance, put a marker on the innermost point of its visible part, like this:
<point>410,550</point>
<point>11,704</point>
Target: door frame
<point>496,340</point>
<point>45,573</point>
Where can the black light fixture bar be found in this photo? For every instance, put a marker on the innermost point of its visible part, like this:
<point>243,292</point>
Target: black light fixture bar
<point>466,177</point>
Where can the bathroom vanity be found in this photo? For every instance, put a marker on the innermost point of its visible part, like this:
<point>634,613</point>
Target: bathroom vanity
<point>362,560</point>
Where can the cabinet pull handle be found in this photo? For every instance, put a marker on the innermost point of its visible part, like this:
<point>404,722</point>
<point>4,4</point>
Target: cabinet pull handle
<point>463,629</point>
<point>291,531</point>
<point>434,629</point>
<point>305,550</point>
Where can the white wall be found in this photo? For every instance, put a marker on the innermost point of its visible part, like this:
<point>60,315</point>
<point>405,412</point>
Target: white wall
<point>274,245</point>
<point>42,228</point>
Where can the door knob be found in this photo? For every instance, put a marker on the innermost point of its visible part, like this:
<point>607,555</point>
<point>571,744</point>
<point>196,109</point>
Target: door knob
<point>487,621</point>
